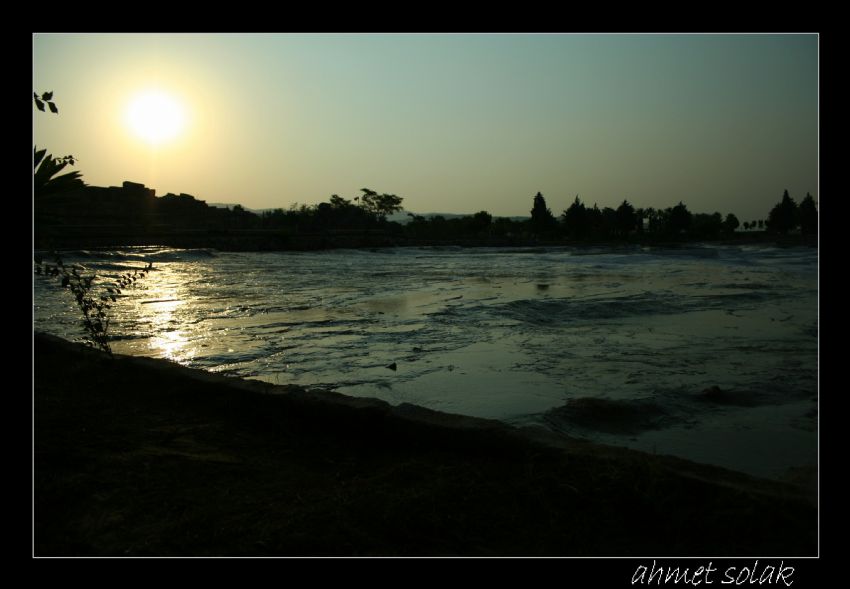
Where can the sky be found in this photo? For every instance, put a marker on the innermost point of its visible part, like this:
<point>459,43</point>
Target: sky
<point>453,123</point>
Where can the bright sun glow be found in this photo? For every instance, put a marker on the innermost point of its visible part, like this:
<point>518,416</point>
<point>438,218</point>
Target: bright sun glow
<point>156,117</point>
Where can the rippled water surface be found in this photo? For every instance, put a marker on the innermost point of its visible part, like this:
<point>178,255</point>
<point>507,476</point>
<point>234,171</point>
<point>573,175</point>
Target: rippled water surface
<point>515,335</point>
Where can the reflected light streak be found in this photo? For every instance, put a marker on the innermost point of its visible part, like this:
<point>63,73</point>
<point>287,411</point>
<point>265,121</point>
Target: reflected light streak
<point>160,309</point>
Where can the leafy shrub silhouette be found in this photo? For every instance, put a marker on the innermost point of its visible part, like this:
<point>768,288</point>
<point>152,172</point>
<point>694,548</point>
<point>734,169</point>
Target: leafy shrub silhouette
<point>45,167</point>
<point>94,307</point>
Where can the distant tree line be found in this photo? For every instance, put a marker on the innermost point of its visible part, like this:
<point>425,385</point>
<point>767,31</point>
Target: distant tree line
<point>787,216</point>
<point>580,222</point>
<point>480,227</point>
<point>366,211</point>
<point>363,220</point>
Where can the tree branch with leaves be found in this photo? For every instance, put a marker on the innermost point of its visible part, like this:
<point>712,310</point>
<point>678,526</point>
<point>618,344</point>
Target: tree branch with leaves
<point>47,98</point>
<point>380,205</point>
<point>45,166</point>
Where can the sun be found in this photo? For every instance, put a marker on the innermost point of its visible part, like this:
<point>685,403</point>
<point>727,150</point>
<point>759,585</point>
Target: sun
<point>155,116</point>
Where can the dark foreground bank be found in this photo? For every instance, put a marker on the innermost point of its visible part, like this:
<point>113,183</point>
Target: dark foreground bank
<point>135,456</point>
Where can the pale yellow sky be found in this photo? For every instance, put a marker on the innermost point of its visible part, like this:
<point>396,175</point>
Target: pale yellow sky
<point>452,123</point>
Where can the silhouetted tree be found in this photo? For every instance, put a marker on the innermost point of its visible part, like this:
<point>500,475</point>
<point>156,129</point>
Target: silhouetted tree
<point>640,215</point>
<point>575,220</point>
<point>542,219</point>
<point>608,228</point>
<point>706,226</point>
<point>680,219</point>
<point>654,220</point>
<point>626,219</point>
<point>338,202</point>
<point>761,223</point>
<point>731,223</point>
<point>480,222</point>
<point>505,227</point>
<point>380,205</point>
<point>784,216</point>
<point>746,225</point>
<point>808,216</point>
<point>595,221</point>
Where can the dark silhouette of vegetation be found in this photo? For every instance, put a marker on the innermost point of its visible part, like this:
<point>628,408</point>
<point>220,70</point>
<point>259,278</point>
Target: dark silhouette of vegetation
<point>481,223</point>
<point>575,220</point>
<point>626,219</point>
<point>705,226</point>
<point>542,220</point>
<point>380,205</point>
<point>47,97</point>
<point>680,219</point>
<point>365,212</point>
<point>808,216</point>
<point>133,215</point>
<point>784,217</point>
<point>582,223</point>
<point>141,218</point>
<point>731,224</point>
<point>578,223</point>
<point>45,166</point>
<point>478,229</point>
<point>94,307</point>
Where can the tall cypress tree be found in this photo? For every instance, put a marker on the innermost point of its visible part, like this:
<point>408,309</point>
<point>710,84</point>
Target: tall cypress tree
<point>784,216</point>
<point>808,216</point>
<point>542,218</point>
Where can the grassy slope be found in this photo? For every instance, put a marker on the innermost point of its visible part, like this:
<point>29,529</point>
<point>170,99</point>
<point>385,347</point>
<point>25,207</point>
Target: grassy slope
<point>140,457</point>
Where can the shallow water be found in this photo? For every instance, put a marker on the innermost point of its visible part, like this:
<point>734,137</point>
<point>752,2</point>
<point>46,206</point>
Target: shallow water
<point>509,334</point>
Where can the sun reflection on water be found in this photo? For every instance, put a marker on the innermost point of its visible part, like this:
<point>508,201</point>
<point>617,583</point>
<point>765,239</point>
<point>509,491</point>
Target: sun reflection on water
<point>169,342</point>
<point>160,310</point>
